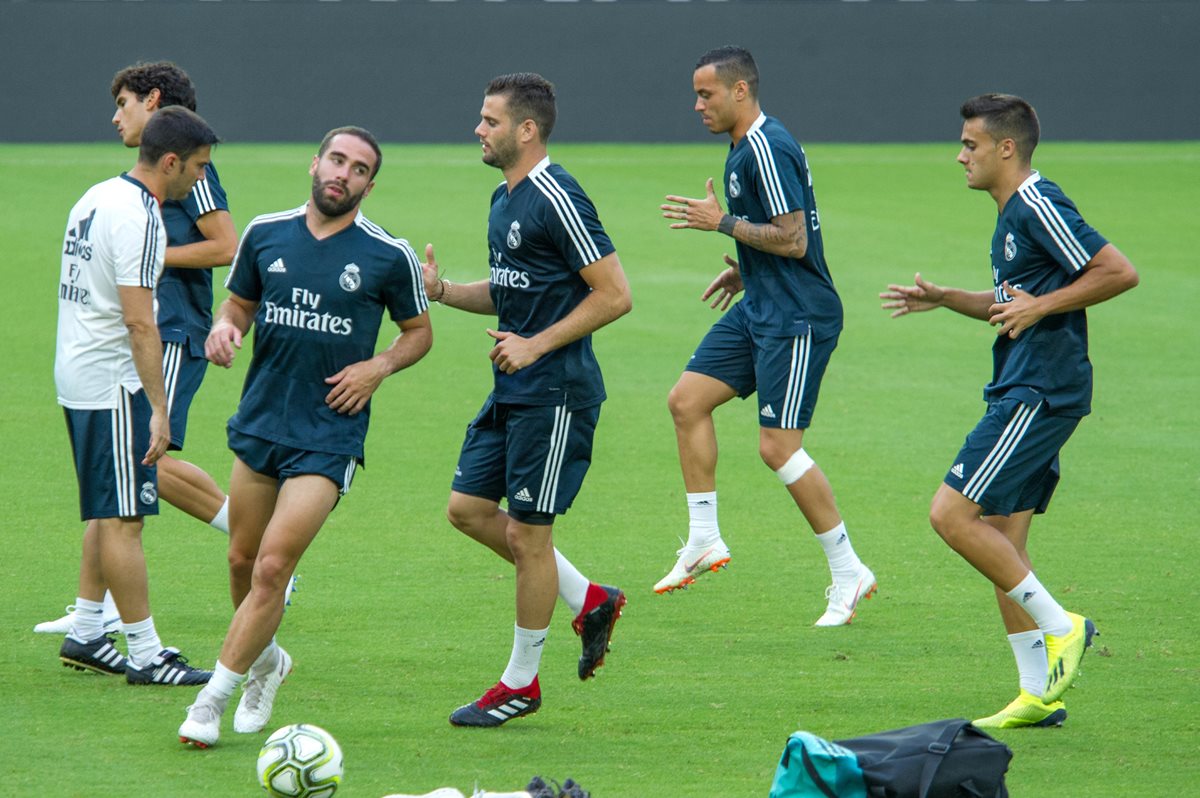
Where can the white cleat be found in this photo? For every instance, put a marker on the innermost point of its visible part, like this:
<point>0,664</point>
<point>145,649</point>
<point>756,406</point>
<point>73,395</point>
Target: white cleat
<point>203,725</point>
<point>62,626</point>
<point>694,561</point>
<point>258,696</point>
<point>844,598</point>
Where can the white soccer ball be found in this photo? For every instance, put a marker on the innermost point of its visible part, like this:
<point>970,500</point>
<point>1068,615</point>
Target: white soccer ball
<point>300,761</point>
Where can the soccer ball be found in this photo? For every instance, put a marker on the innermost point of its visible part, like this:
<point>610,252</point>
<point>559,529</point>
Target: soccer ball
<point>300,761</point>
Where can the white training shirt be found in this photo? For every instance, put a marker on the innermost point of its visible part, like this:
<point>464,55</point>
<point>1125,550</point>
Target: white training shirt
<point>115,236</point>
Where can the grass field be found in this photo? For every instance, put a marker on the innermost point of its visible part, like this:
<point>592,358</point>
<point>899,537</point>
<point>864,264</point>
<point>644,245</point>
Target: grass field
<point>400,618</point>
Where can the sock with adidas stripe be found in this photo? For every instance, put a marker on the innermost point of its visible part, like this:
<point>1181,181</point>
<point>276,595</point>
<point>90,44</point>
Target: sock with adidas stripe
<point>526,657</point>
<point>143,642</point>
<point>1029,650</point>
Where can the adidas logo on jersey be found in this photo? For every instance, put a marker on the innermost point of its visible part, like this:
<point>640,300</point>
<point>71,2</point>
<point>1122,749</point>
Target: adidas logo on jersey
<point>767,412</point>
<point>523,495</point>
<point>957,470</point>
<point>277,267</point>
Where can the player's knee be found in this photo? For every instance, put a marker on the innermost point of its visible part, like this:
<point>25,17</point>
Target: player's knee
<point>684,405</point>
<point>794,467</point>
<point>945,518</point>
<point>272,571</point>
<point>241,563</point>
<point>460,516</point>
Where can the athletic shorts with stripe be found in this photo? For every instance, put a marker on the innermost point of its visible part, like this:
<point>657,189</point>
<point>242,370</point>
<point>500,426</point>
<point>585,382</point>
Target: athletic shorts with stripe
<point>533,456</point>
<point>284,462</point>
<point>108,447</point>
<point>1009,462</point>
<point>785,371</point>
<point>182,373</point>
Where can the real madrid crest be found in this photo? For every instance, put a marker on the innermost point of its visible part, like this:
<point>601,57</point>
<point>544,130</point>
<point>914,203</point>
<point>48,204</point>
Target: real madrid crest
<point>514,235</point>
<point>735,188</point>
<point>350,279</point>
<point>1010,247</point>
<point>148,493</point>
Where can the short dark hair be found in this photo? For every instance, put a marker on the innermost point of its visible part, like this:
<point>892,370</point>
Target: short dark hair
<point>1006,116</point>
<point>530,96</point>
<point>174,129</point>
<point>357,132</point>
<point>173,84</point>
<point>732,64</point>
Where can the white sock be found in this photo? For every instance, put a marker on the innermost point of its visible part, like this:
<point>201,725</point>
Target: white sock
<point>702,519</point>
<point>266,661</point>
<point>526,657</point>
<point>143,641</point>
<point>1029,649</point>
<point>221,519</point>
<point>87,620</point>
<point>844,564</point>
<point>1050,617</point>
<point>220,687</point>
<point>572,585</point>
<point>110,606</point>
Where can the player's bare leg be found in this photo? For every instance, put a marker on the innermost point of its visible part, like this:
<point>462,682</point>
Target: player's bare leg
<point>1028,645</point>
<point>189,488</point>
<point>692,402</point>
<point>253,497</point>
<point>851,580</point>
<point>482,520</point>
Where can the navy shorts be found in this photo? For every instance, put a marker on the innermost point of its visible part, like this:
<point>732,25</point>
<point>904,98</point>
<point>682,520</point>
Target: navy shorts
<point>1009,462</point>
<point>533,456</point>
<point>785,371</point>
<point>284,462</point>
<point>182,374</point>
<point>108,447</point>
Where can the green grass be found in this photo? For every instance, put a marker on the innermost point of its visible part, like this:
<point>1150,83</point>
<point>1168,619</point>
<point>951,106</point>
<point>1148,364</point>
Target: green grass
<point>400,619</point>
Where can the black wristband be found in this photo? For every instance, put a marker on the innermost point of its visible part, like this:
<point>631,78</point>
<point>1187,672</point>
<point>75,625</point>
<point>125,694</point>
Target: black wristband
<point>726,225</point>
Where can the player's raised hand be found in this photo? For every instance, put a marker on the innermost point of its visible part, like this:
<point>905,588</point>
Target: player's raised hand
<point>512,352</point>
<point>905,299</point>
<point>354,385</point>
<point>726,286</point>
<point>429,273</point>
<point>224,339</point>
<point>1018,314</point>
<point>696,214</point>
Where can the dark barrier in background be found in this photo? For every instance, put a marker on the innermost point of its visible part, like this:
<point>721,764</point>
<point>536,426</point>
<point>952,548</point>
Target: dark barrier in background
<point>414,70</point>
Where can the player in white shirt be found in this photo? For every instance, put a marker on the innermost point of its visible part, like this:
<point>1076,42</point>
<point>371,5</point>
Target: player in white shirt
<point>108,373</point>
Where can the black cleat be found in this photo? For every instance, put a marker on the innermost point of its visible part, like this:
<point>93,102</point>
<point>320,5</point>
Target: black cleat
<point>596,628</point>
<point>499,705</point>
<point>168,668</point>
<point>95,655</point>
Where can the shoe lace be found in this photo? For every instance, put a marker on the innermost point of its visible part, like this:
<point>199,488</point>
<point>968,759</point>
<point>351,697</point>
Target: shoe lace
<point>202,712</point>
<point>251,694</point>
<point>833,593</point>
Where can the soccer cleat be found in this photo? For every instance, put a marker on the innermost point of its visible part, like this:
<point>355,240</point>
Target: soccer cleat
<point>596,628</point>
<point>1025,711</point>
<point>62,626</point>
<point>95,655</point>
<point>843,599</point>
<point>694,561</point>
<point>499,705</point>
<point>203,725</point>
<point>1064,654</point>
<point>293,585</point>
<point>258,696</point>
<point>169,668</point>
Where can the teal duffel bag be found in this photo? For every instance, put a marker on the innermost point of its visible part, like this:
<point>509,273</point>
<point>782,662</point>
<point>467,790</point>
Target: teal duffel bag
<point>813,767</point>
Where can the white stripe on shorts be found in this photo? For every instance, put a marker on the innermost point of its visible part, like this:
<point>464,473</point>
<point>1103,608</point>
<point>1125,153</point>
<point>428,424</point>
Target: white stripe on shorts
<point>172,358</point>
<point>554,460</point>
<point>998,456</point>
<point>124,466</point>
<point>349,476</point>
<point>793,399</point>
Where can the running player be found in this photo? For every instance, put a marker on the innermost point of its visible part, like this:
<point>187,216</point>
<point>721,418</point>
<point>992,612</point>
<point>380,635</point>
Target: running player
<point>777,341</point>
<point>555,279</point>
<point>1048,265</point>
